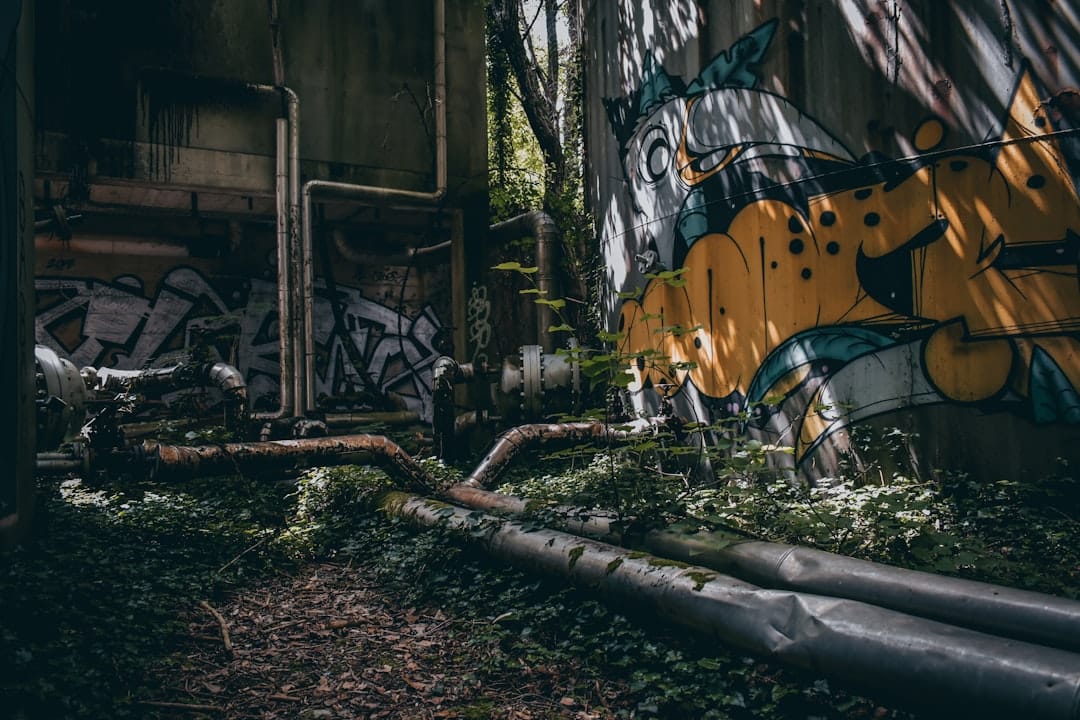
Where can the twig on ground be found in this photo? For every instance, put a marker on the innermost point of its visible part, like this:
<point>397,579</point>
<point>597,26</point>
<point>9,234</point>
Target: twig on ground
<point>226,641</point>
<point>242,554</point>
<point>286,698</point>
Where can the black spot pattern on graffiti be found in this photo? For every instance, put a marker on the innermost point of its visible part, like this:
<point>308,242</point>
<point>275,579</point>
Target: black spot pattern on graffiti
<point>795,246</point>
<point>888,278</point>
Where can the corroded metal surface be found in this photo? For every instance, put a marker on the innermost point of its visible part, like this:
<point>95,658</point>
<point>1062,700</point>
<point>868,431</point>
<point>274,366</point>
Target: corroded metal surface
<point>514,440</point>
<point>179,462</point>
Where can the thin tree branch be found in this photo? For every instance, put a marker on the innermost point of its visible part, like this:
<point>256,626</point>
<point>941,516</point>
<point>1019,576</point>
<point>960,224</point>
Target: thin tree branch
<point>225,639</point>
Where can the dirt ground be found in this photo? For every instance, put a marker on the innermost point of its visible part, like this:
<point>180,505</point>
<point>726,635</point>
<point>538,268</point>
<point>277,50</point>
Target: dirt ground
<point>330,643</point>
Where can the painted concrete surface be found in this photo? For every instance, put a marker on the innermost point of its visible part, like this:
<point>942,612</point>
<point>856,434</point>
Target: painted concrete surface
<point>829,214</point>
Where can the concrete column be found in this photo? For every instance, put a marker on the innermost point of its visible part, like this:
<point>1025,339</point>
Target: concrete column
<point>17,267</point>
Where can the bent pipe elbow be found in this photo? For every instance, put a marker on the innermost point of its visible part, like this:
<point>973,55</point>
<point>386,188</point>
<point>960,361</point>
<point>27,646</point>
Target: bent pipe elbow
<point>164,462</point>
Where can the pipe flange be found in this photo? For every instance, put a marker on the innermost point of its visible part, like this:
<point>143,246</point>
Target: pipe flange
<point>532,381</point>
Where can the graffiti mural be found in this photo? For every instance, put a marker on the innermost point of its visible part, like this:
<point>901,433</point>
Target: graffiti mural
<point>783,269</point>
<point>94,322</point>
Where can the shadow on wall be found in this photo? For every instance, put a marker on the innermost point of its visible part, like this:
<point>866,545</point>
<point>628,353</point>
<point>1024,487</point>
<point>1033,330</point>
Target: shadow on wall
<point>816,289</point>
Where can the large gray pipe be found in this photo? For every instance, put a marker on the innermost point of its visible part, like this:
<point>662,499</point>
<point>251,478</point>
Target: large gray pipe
<point>1008,612</point>
<point>935,664</point>
<point>541,226</point>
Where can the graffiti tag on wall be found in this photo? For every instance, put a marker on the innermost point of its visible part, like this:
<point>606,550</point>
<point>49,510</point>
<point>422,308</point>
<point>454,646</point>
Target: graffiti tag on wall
<point>94,322</point>
<point>839,288</point>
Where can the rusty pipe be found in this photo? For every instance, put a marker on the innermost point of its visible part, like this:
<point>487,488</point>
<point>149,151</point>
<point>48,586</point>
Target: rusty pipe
<point>181,462</point>
<point>513,441</point>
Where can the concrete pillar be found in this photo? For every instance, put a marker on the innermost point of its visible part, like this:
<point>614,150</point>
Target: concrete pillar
<point>17,267</point>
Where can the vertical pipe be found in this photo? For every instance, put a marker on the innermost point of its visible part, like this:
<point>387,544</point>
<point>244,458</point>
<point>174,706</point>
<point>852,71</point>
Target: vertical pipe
<point>303,347</point>
<point>284,276</point>
<point>440,97</point>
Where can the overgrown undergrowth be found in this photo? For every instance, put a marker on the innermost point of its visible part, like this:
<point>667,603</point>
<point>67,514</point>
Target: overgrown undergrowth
<point>90,610</point>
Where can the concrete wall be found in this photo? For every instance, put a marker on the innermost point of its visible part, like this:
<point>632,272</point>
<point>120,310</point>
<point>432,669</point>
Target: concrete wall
<point>175,179</point>
<point>17,488</point>
<point>857,213</point>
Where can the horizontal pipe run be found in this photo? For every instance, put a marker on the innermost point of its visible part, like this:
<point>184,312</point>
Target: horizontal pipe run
<point>872,647</point>
<point>392,417</point>
<point>999,610</point>
<point>1009,612</point>
<point>61,463</point>
<point>180,462</point>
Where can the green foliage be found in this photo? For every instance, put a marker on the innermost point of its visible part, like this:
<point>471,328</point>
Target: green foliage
<point>97,599</point>
<point>328,503</point>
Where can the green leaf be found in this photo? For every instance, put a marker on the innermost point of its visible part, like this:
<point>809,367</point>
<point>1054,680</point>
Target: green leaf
<point>557,303</point>
<point>515,266</point>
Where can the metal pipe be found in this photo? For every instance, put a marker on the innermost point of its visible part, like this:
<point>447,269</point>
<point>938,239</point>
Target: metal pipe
<point>393,417</point>
<point>221,375</point>
<point>1003,611</point>
<point>541,226</point>
<point>62,463</point>
<point>368,193</point>
<point>287,257</point>
<point>514,440</point>
<point>408,257</point>
<point>951,668</point>
<point>445,373</point>
<point>180,462</point>
<point>284,280</point>
<point>303,348</point>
